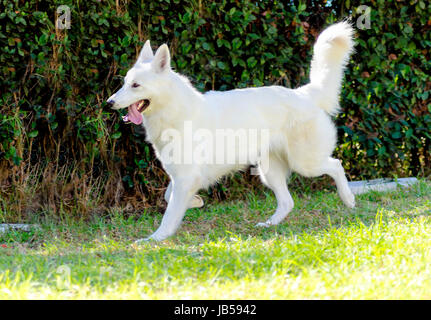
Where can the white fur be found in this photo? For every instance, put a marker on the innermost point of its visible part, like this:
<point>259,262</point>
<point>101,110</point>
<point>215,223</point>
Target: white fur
<point>302,134</point>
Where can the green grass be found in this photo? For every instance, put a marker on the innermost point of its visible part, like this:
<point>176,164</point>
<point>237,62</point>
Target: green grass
<point>379,250</point>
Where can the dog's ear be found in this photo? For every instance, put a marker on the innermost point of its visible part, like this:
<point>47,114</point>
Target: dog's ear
<point>162,59</point>
<point>146,54</point>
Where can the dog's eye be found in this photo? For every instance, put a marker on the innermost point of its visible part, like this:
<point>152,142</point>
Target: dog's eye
<point>135,85</point>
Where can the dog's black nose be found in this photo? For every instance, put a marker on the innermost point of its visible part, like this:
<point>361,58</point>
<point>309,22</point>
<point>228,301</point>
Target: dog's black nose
<point>110,103</point>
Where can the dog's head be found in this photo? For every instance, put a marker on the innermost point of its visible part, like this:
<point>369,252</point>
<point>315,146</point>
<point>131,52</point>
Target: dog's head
<point>143,83</point>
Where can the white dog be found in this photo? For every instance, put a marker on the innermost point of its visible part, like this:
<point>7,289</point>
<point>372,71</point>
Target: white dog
<point>300,133</point>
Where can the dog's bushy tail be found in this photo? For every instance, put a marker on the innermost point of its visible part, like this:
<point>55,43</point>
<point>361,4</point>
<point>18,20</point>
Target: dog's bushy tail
<point>331,54</point>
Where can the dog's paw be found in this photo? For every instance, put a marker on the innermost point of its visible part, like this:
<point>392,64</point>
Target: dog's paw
<point>266,224</point>
<point>351,204</point>
<point>197,202</point>
<point>156,236</point>
<point>348,199</point>
<point>153,237</point>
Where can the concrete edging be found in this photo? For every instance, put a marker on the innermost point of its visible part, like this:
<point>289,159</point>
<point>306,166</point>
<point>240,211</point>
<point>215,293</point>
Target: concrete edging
<point>385,184</point>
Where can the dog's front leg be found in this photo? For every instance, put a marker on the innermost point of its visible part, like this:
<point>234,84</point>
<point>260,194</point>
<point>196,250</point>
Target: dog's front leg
<point>183,191</point>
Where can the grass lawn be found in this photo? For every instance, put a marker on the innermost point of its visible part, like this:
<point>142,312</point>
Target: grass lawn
<point>379,250</point>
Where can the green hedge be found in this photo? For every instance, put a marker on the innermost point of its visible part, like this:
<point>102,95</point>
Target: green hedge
<point>54,82</point>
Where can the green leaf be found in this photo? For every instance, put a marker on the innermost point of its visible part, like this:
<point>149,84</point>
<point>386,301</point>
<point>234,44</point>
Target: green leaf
<point>33,134</point>
<point>116,135</point>
<point>251,62</point>
<point>396,135</point>
<point>206,46</point>
<point>221,65</point>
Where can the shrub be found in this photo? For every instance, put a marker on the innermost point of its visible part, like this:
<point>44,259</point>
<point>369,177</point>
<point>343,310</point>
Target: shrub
<point>54,83</point>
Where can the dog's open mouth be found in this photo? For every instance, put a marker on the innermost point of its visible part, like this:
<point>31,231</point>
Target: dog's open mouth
<point>135,110</point>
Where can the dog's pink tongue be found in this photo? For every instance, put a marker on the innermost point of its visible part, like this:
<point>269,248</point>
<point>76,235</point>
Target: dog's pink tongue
<point>134,115</point>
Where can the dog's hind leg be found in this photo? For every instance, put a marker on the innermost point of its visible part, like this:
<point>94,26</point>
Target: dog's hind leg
<point>334,169</point>
<point>275,178</point>
<point>196,202</point>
